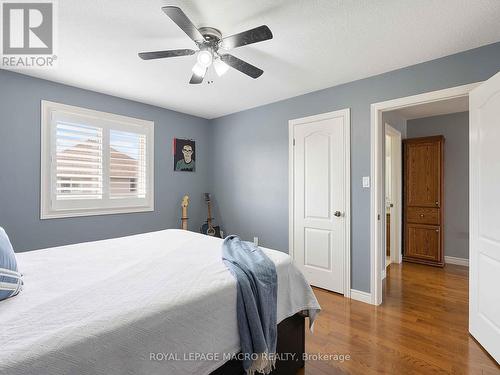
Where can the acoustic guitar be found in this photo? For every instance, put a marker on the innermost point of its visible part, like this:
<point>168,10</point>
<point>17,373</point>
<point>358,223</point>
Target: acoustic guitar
<point>184,218</point>
<point>208,228</point>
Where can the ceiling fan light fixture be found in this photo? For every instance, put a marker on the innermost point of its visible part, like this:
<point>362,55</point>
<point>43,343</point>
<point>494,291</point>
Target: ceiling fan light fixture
<point>220,67</point>
<point>199,70</point>
<point>209,40</point>
<point>204,58</point>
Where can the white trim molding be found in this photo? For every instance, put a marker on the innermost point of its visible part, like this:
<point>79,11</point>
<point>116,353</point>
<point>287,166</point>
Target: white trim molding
<point>359,295</point>
<point>376,133</point>
<point>458,261</point>
<point>346,113</point>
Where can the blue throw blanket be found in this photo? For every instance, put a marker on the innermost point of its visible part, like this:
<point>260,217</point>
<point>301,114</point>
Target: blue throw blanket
<point>256,304</point>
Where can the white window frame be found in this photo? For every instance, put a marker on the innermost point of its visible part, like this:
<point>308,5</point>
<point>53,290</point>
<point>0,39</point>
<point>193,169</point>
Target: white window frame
<point>48,207</point>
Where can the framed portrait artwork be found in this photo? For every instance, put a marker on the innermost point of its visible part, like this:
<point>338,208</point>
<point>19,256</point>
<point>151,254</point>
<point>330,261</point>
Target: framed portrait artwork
<point>184,155</point>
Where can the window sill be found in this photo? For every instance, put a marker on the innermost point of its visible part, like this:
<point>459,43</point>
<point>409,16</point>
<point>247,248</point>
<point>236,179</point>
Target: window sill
<point>97,212</point>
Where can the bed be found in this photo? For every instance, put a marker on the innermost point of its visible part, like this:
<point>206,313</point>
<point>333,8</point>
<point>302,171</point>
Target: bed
<point>154,303</point>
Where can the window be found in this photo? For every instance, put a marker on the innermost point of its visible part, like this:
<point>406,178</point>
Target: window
<point>94,163</point>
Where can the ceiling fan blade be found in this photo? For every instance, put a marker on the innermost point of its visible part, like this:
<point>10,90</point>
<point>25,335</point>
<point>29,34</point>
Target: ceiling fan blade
<point>163,54</point>
<point>180,18</point>
<point>256,35</point>
<point>242,66</point>
<point>197,79</point>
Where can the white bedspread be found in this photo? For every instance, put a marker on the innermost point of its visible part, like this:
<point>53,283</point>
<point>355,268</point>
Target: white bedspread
<point>104,307</point>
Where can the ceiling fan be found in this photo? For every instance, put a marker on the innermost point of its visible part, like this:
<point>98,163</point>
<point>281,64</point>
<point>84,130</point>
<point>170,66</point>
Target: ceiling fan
<point>211,47</point>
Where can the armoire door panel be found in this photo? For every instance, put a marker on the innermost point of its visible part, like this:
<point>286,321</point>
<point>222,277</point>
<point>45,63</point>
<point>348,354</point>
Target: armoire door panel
<point>423,171</point>
<point>423,241</point>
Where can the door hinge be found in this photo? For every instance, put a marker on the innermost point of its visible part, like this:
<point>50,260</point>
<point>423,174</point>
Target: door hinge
<point>294,141</point>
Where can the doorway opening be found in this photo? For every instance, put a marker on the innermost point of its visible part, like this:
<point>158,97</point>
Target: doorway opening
<point>397,113</point>
<point>483,250</point>
<point>434,173</point>
<point>435,183</point>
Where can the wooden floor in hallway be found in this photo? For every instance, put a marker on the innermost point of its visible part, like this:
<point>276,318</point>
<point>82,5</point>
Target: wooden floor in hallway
<point>421,328</point>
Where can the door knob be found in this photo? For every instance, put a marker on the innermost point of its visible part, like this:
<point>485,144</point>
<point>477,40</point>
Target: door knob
<point>337,213</point>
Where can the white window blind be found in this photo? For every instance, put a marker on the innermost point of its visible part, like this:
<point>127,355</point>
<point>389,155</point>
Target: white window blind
<point>94,162</point>
<point>79,161</point>
<point>127,173</point>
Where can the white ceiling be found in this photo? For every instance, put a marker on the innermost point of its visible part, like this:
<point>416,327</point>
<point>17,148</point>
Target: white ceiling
<point>442,107</point>
<point>317,44</point>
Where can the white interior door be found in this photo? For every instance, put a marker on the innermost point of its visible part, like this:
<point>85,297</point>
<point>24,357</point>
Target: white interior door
<point>484,297</point>
<point>320,199</point>
<point>389,202</point>
<point>395,187</point>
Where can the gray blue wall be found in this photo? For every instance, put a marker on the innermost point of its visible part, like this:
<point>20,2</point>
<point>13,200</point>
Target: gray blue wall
<point>242,158</point>
<point>20,166</point>
<point>250,149</point>
<point>455,128</point>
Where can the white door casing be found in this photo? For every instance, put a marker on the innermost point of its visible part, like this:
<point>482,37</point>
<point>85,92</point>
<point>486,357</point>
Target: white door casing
<point>320,204</point>
<point>484,263</point>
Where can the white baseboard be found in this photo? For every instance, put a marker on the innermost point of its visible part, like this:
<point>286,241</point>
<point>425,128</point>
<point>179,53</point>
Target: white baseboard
<point>358,295</point>
<point>457,261</point>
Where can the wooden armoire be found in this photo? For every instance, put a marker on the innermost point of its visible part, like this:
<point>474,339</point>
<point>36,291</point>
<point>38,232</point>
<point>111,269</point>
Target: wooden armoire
<point>423,200</point>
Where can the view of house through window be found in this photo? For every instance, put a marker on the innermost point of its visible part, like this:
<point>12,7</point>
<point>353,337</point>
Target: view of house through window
<point>127,164</point>
<point>78,161</point>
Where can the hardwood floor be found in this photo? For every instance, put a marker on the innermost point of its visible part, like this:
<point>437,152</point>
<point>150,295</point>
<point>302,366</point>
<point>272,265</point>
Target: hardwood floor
<point>421,327</point>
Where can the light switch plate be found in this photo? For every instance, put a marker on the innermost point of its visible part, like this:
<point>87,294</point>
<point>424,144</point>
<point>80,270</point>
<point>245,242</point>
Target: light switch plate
<point>366,181</point>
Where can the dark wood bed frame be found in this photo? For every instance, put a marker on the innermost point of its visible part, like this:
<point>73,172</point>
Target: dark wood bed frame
<point>291,339</point>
